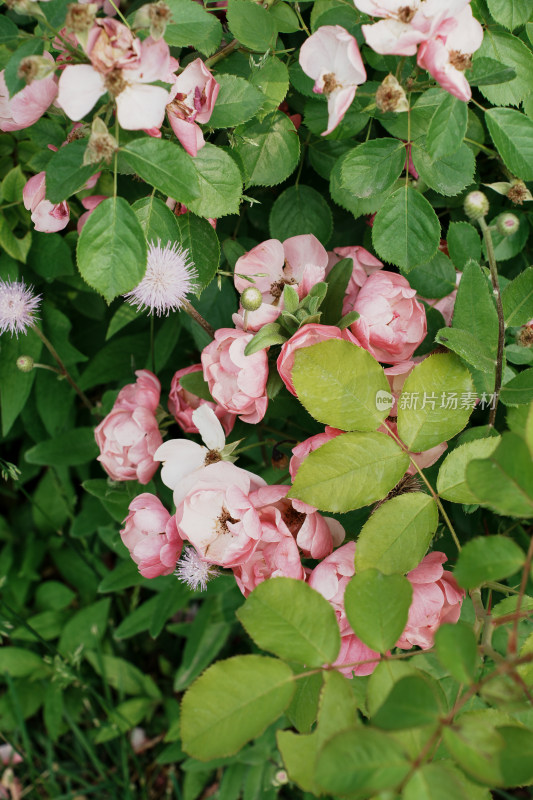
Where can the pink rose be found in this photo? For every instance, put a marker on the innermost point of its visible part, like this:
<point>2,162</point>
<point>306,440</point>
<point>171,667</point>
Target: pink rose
<point>423,459</point>
<point>90,203</point>
<point>191,100</point>
<point>151,536</point>
<point>309,334</point>
<point>255,320</point>
<point>436,599</point>
<point>331,57</point>
<point>353,650</point>
<point>300,261</point>
<point>129,436</point>
<point>28,105</point>
<point>237,382</point>
<point>392,323</point>
<point>145,392</point>
<point>182,403</point>
<point>364,264</point>
<point>218,517</point>
<point>111,45</point>
<point>46,216</point>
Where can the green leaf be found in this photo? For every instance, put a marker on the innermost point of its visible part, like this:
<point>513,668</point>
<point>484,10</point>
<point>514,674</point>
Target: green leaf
<point>122,675</point>
<point>338,383</point>
<point>14,247</point>
<point>406,230</point>
<point>157,220</point>
<point>475,314</point>
<point>385,676</point>
<point>350,472</point>
<point>290,619</point>
<point>487,558</point>
<point>266,336</point>
<point>316,119</point>
<point>519,390</point>
<point>236,103</point>
<point>21,663</point>
<point>510,13</point>
<point>8,30</point>
<point>512,52</point>
<point>437,781</point>
<point>251,24</point>
<point>164,165</point>
<point>448,174</point>
<point>471,349</point>
<point>111,249</point>
<point>488,71</point>
<point>303,709</point>
<point>77,446</point>
<point>451,483</point>
<point>299,210</point>
<point>65,173</point>
<point>285,18</point>
<point>512,133</point>
<point>456,647</point>
<point>12,185</point>
<point>447,128</point>
<point>517,299</point>
<point>219,181</point>
<point>422,421</point>
<point>50,255</point>
<point>435,278</point>
<point>15,386</point>
<point>377,606</point>
<point>232,703</point>
<point>271,77</point>
<point>198,237</point>
<point>192,25</point>
<point>195,384</point>
<point>504,480</point>
<point>86,628</point>
<point>373,166</point>
<point>361,759</point>
<point>337,280</point>
<point>464,244</point>
<point>397,535</point>
<point>53,710</point>
<point>269,149</point>
<point>412,702</point>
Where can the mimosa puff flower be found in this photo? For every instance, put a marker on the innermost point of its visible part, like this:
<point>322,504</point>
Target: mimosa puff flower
<point>18,305</point>
<point>170,276</point>
<point>193,571</point>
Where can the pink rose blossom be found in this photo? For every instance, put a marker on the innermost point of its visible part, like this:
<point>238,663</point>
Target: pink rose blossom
<point>191,100</point>
<point>28,105</point>
<point>447,56</point>
<point>218,517</point>
<point>331,578</point>
<point>255,320</point>
<point>307,335</point>
<point>151,536</point>
<point>300,261</point>
<point>129,436</point>
<point>424,459</point>
<point>145,392</point>
<point>125,70</point>
<point>236,381</point>
<point>364,264</point>
<point>90,203</point>
<point>46,216</point>
<point>111,45</point>
<point>436,599</point>
<point>392,323</point>
<point>331,57</point>
<point>182,403</point>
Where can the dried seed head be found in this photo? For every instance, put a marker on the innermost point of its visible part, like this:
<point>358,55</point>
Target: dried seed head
<point>391,97</point>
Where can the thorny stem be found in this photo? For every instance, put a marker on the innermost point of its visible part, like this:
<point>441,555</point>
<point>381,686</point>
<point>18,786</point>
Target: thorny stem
<point>115,160</point>
<point>430,487</point>
<point>300,18</point>
<point>192,312</point>
<point>64,371</point>
<point>225,51</point>
<point>501,322</point>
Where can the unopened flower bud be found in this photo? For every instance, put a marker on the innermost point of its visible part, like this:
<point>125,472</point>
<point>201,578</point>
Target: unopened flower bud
<point>518,192</point>
<point>101,146</point>
<point>476,205</point>
<point>251,299</point>
<point>80,17</point>
<point>280,778</point>
<point>507,224</point>
<point>25,363</point>
<point>34,68</point>
<point>391,97</point>
<point>155,16</point>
